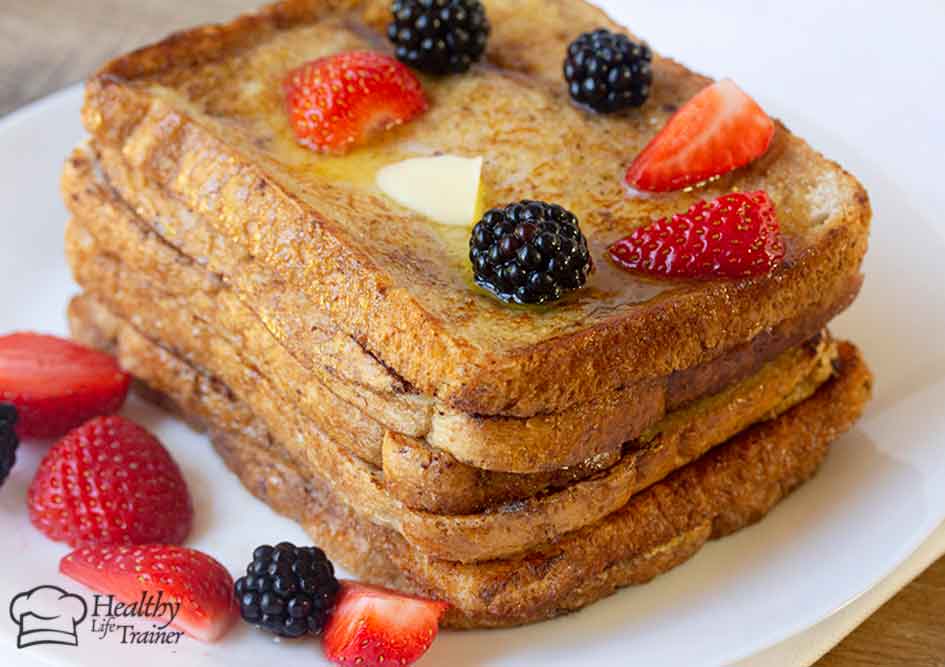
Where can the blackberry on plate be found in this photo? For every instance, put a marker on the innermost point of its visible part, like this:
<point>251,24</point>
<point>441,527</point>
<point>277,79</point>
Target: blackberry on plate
<point>607,71</point>
<point>439,36</point>
<point>8,440</point>
<point>529,252</point>
<point>288,590</point>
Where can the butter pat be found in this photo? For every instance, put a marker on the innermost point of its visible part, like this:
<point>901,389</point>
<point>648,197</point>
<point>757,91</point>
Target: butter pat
<point>444,188</point>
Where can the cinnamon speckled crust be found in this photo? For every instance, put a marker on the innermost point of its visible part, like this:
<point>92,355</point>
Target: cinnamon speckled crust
<point>160,239</point>
<point>200,116</point>
<point>423,478</point>
<point>729,488</point>
<point>334,374</point>
<point>732,487</point>
<point>500,532</point>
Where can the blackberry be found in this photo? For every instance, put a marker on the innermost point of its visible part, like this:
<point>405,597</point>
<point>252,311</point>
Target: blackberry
<point>288,590</point>
<point>608,72</point>
<point>439,36</point>
<point>8,440</point>
<point>529,252</point>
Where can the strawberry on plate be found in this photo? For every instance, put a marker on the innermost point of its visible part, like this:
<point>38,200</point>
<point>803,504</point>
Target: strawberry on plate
<point>374,626</point>
<point>56,384</point>
<point>202,585</point>
<point>339,101</point>
<point>733,236</point>
<point>110,482</point>
<point>718,130</point>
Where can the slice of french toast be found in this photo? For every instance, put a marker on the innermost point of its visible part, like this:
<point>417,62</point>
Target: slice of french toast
<point>171,245</point>
<point>165,350</point>
<point>200,116</point>
<point>729,488</point>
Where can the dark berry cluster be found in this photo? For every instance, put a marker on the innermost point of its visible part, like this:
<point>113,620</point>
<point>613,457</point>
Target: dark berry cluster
<point>529,252</point>
<point>8,440</point>
<point>608,72</point>
<point>439,36</point>
<point>288,590</point>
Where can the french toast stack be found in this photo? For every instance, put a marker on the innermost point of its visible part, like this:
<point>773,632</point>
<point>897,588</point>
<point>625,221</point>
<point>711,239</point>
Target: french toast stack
<point>516,462</point>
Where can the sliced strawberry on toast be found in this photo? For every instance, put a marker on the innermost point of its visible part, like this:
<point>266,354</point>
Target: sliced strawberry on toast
<point>337,102</point>
<point>199,583</point>
<point>56,384</point>
<point>718,130</point>
<point>374,627</point>
<point>110,482</point>
<point>733,236</point>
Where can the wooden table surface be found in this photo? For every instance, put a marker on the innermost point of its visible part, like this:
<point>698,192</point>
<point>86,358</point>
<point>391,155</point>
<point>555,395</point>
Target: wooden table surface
<point>47,44</point>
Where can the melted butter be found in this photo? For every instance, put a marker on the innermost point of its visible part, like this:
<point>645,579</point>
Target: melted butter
<point>357,168</point>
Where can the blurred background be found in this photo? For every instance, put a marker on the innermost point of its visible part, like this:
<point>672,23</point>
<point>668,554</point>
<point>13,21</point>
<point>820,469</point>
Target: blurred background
<point>48,44</point>
<point>45,44</point>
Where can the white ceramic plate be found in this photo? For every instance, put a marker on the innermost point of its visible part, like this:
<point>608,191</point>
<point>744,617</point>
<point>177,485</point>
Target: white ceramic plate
<point>878,497</point>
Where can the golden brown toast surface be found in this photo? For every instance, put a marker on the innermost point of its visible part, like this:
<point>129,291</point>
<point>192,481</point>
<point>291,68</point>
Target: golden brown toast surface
<point>201,116</point>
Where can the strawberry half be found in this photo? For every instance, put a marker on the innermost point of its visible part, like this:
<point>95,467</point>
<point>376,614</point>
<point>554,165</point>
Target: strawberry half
<point>199,583</point>
<point>110,482</point>
<point>56,384</point>
<point>718,130</point>
<point>373,626</point>
<point>342,100</point>
<point>733,236</point>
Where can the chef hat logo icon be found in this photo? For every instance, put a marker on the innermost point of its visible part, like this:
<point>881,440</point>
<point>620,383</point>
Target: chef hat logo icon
<point>48,615</point>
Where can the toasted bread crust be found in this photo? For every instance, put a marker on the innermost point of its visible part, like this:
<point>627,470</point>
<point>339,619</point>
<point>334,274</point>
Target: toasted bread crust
<point>430,480</point>
<point>506,530</point>
<point>731,487</point>
<point>455,344</point>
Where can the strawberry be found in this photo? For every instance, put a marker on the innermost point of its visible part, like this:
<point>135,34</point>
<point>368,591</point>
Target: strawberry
<point>56,384</point>
<point>339,101</point>
<point>374,626</point>
<point>718,130</point>
<point>730,237</point>
<point>199,583</point>
<point>110,482</point>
